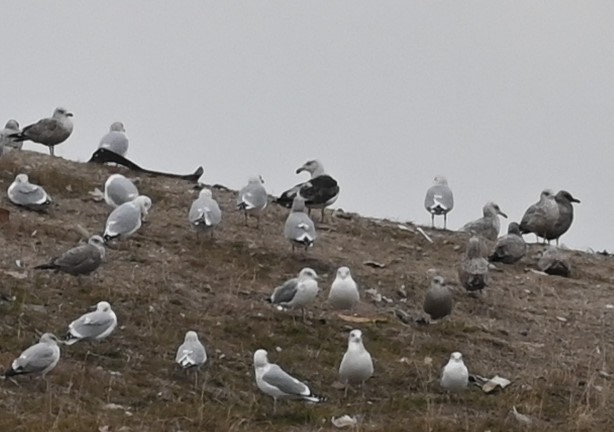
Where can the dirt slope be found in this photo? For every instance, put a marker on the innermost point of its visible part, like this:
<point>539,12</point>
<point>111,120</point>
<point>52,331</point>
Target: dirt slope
<point>551,336</point>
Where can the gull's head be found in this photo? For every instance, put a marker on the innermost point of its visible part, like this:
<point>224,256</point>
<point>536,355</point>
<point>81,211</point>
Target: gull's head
<point>103,306</point>
<point>456,357</point>
<point>441,180</point>
<point>355,337</point>
<point>205,193</point>
<point>492,209</point>
<point>343,272</point>
<point>96,240</point>
<point>437,280</point>
<point>12,124</point>
<point>309,273</point>
<point>514,228</point>
<point>546,193</point>
<point>314,167</point>
<point>191,336</point>
<point>117,127</point>
<point>61,112</point>
<point>143,202</point>
<point>49,338</point>
<point>563,194</point>
<point>260,358</point>
<point>22,178</point>
<point>257,179</point>
<point>298,204</point>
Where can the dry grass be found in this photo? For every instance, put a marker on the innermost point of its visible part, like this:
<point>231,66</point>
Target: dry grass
<point>163,282</point>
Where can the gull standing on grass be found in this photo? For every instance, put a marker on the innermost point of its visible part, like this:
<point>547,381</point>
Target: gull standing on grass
<point>40,358</point>
<point>94,325</point>
<point>205,213</point>
<point>439,200</point>
<point>80,260</point>
<point>191,354</point>
<point>8,140</point>
<point>30,196</point>
<point>115,140</point>
<point>297,292</point>
<point>299,228</point>
<point>48,131</point>
<point>253,199</point>
<point>455,376</point>
<point>126,219</point>
<point>118,190</point>
<point>275,382</point>
<point>357,365</point>
<point>438,301</point>
<point>344,291</point>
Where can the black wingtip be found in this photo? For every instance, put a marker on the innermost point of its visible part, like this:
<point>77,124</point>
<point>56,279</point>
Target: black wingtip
<point>10,372</point>
<point>45,267</point>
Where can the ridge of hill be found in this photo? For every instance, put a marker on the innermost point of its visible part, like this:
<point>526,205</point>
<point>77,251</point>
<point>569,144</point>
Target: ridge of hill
<point>551,336</point>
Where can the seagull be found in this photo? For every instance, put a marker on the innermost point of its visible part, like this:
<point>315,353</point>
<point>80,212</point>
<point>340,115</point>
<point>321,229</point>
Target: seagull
<point>344,291</point>
<point>80,260</point>
<point>40,358</point>
<point>275,382</point>
<point>564,201</point>
<point>511,247</point>
<point>357,365</point>
<point>554,262</point>
<point>320,191</point>
<point>126,219</point>
<point>191,354</point>
<point>455,376</point>
<point>118,190</point>
<point>7,137</point>
<point>439,200</point>
<point>253,199</point>
<point>297,292</point>
<point>205,213</point>
<point>299,228</point>
<point>541,216</point>
<point>115,140</point>
<point>438,302</point>
<point>488,225</point>
<point>473,270</point>
<point>94,325</point>
<point>30,196</point>
<point>48,131</point>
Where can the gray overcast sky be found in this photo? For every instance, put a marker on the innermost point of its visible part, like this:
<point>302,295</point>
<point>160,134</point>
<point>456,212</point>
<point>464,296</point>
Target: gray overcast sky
<point>505,98</point>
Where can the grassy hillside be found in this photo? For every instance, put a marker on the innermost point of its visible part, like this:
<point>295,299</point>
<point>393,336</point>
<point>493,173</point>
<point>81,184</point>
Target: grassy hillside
<point>552,337</point>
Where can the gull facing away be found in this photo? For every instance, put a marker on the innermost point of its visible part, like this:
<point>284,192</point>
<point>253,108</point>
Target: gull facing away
<point>511,247</point>
<point>473,270</point>
<point>277,383</point>
<point>48,131</point>
<point>297,292</point>
<point>438,301</point>
<point>80,260</point>
<point>115,140</point>
<point>126,219</point>
<point>94,325</point>
<point>191,353</point>
<point>320,191</point>
<point>455,376</point>
<point>7,137</point>
<point>118,190</point>
<point>554,261</point>
<point>205,213</point>
<point>356,365</point>
<point>488,225</point>
<point>40,358</point>
<point>30,196</point>
<point>541,216</point>
<point>439,200</point>
<point>299,228</point>
<point>253,199</point>
<point>344,291</point>
<point>564,201</point>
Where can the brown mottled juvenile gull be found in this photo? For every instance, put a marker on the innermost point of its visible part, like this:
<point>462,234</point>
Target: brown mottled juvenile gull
<point>511,247</point>
<point>356,365</point>
<point>554,262</point>
<point>80,260</point>
<point>277,383</point>
<point>541,216</point>
<point>438,301</point>
<point>344,291</point>
<point>40,358</point>
<point>488,225</point>
<point>564,201</point>
<point>473,270</point>
<point>94,325</point>
<point>28,195</point>
<point>455,376</point>
<point>299,228</point>
<point>48,131</point>
<point>439,200</point>
<point>252,198</point>
<point>115,140</point>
